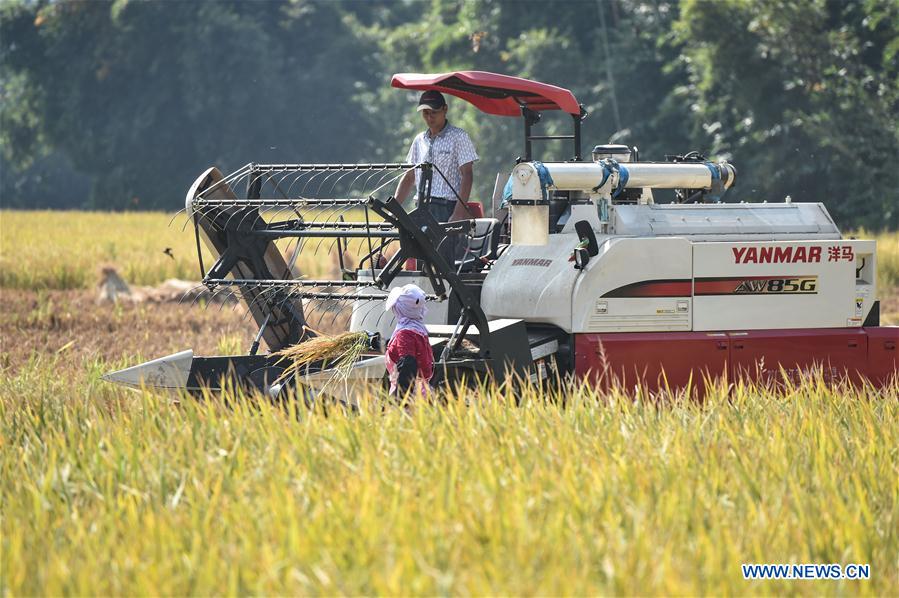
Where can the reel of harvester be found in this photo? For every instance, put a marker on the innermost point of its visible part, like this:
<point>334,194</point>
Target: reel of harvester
<point>258,221</point>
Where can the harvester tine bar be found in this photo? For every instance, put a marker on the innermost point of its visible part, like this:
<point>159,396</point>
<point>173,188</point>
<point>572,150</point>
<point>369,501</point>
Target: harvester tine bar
<point>253,297</point>
<point>188,218</point>
<point>330,234</point>
<point>194,294</point>
<point>351,186</point>
<point>245,213</point>
<point>310,179</point>
<point>339,252</point>
<point>314,167</point>
<point>369,305</point>
<point>336,225</point>
<point>328,175</point>
<point>351,296</point>
<point>275,184</point>
<point>274,217</point>
<point>363,173</point>
<point>289,282</point>
<point>257,287</point>
<point>298,202</point>
<point>327,223</point>
<point>338,173</point>
<point>336,313</point>
<point>318,245</point>
<point>228,181</point>
<point>384,313</point>
<point>387,175</point>
<point>391,177</point>
<point>231,214</point>
<point>255,216</point>
<point>175,215</point>
<point>294,178</point>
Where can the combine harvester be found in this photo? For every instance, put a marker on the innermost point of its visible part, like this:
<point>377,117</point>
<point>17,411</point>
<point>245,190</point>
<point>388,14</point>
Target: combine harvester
<point>582,274</point>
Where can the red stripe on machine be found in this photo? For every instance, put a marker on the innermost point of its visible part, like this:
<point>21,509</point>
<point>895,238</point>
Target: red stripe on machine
<point>744,285</point>
<point>654,288</point>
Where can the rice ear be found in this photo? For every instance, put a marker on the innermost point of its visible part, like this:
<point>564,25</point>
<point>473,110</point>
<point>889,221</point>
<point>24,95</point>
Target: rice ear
<point>342,349</point>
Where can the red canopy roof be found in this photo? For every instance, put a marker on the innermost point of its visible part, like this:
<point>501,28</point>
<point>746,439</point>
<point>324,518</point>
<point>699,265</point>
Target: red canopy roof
<point>492,93</point>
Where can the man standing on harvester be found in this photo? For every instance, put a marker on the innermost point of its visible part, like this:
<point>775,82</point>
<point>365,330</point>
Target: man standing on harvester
<point>449,149</point>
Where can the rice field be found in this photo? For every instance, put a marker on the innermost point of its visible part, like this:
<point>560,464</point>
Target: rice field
<point>64,250</point>
<point>111,492</point>
<point>106,491</point>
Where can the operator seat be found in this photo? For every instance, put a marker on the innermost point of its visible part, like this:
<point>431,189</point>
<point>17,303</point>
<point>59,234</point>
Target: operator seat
<point>481,244</point>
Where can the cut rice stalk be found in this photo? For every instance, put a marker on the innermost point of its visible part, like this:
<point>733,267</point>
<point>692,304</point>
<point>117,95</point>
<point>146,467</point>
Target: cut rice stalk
<point>340,352</point>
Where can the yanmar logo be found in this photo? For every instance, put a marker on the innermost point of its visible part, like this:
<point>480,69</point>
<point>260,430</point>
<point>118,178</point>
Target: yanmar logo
<point>777,255</point>
<point>532,261</point>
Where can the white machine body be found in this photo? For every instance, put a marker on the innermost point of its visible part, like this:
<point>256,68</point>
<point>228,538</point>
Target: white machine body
<point>680,267</point>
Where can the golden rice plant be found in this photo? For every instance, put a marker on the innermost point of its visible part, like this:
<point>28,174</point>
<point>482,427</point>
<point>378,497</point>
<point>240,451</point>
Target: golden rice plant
<point>105,491</point>
<point>339,351</point>
<point>65,250</point>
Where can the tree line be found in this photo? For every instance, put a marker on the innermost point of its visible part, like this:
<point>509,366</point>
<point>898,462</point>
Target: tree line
<point>120,105</point>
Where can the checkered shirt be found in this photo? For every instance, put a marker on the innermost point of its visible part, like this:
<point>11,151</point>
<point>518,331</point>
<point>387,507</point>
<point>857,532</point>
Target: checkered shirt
<point>448,151</point>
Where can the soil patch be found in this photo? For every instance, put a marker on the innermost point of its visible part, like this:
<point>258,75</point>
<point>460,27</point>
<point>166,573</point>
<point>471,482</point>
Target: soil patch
<point>75,326</point>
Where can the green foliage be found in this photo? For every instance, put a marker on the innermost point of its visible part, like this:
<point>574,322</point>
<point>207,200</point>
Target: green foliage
<point>140,97</point>
<point>559,44</point>
<point>803,96</point>
<point>157,91</point>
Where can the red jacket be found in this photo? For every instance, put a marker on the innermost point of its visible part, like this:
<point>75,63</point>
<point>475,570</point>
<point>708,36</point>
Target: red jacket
<point>409,342</point>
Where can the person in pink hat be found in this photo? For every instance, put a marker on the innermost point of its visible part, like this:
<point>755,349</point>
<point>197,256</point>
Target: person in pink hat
<point>409,358</point>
